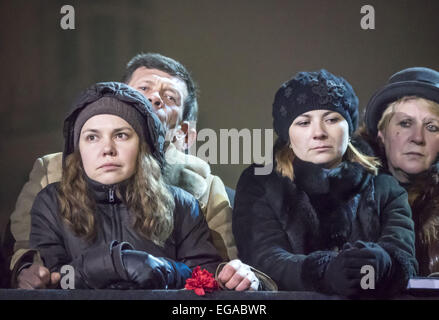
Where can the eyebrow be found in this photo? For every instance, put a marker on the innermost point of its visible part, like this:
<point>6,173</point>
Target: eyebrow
<point>166,86</point>
<point>114,130</point>
<point>324,115</point>
<point>145,81</point>
<point>431,119</point>
<point>403,114</point>
<point>172,90</point>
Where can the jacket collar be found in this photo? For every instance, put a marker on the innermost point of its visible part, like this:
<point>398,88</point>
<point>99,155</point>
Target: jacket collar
<point>107,193</point>
<point>342,182</point>
<point>327,201</point>
<point>186,171</point>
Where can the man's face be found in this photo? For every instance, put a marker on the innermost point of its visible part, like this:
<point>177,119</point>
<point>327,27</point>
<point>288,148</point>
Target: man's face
<point>166,93</point>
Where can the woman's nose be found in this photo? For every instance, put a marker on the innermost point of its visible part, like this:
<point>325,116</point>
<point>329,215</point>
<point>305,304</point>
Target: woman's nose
<point>417,135</point>
<point>319,131</point>
<point>109,149</point>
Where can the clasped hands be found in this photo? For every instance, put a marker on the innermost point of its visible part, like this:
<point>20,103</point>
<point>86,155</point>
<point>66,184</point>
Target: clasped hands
<point>343,272</point>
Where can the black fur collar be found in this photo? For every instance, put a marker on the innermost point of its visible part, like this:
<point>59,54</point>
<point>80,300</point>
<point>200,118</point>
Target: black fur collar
<point>339,184</point>
<point>328,201</point>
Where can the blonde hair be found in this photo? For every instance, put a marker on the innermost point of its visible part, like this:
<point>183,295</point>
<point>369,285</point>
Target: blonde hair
<point>284,157</point>
<point>389,112</point>
<point>147,197</point>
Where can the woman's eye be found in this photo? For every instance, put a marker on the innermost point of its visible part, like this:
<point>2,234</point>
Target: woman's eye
<point>332,120</point>
<point>143,88</point>
<point>404,123</point>
<point>432,128</point>
<point>121,135</point>
<point>90,137</point>
<point>302,123</point>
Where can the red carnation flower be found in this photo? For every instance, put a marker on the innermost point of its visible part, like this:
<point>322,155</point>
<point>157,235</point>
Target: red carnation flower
<point>202,281</point>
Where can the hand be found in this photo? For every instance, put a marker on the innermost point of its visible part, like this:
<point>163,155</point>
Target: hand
<point>343,273</point>
<point>238,276</point>
<point>37,277</point>
<point>373,254</point>
<point>145,270</point>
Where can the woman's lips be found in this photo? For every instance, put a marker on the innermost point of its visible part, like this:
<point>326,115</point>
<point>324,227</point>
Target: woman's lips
<point>110,166</point>
<point>320,148</point>
<point>414,154</point>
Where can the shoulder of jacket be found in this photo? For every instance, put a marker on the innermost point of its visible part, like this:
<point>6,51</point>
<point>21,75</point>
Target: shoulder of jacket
<point>49,192</point>
<point>181,196</point>
<point>187,161</point>
<point>252,173</point>
<point>384,181</point>
<point>51,157</point>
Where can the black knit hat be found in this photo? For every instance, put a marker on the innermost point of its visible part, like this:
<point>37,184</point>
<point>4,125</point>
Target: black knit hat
<point>102,97</point>
<point>307,91</point>
<point>418,81</point>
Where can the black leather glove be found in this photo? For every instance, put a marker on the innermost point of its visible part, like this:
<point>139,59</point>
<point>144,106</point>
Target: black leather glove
<point>342,275</point>
<point>149,272</point>
<point>369,253</point>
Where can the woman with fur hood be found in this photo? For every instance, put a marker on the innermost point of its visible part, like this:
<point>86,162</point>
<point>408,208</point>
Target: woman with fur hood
<point>323,213</point>
<point>402,126</point>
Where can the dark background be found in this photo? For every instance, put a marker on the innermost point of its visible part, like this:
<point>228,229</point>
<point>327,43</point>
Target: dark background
<point>239,52</point>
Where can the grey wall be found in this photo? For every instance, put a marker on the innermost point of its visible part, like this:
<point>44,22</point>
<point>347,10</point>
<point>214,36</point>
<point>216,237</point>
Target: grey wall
<point>238,51</point>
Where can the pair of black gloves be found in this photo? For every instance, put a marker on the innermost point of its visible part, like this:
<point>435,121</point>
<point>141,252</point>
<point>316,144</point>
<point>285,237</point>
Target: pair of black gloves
<point>343,275</point>
<point>141,270</point>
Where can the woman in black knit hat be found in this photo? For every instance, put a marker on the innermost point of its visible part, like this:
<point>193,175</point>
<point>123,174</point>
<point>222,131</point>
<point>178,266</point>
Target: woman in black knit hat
<point>323,213</point>
<point>402,126</point>
<point>112,217</point>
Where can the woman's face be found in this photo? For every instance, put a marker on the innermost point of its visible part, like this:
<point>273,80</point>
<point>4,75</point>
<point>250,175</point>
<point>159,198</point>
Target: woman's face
<point>109,147</point>
<point>411,139</point>
<point>320,137</point>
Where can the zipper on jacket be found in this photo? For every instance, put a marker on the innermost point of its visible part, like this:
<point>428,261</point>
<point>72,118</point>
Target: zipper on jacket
<point>111,195</point>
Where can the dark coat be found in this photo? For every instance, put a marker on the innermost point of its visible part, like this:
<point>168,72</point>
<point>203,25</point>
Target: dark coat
<point>423,195</point>
<point>424,199</point>
<point>288,233</point>
<point>189,242</point>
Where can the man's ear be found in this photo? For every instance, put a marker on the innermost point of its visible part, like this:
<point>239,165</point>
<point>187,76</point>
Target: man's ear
<point>185,135</point>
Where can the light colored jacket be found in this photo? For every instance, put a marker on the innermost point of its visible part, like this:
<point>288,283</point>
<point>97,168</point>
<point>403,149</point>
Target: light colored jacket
<point>185,171</point>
